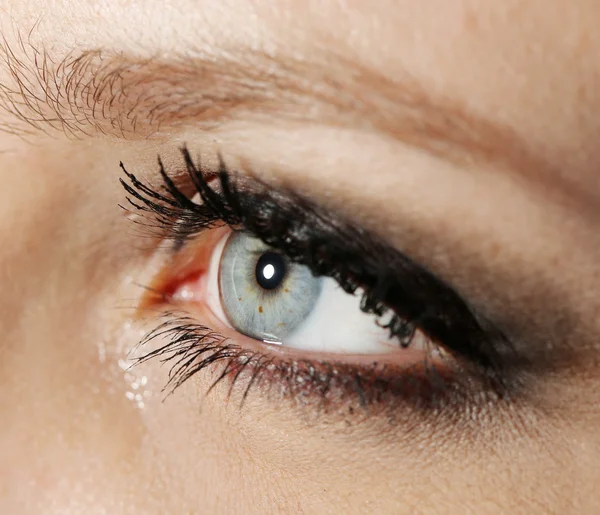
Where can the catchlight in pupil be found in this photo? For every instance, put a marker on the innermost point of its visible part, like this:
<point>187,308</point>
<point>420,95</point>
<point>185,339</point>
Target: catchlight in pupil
<point>270,270</point>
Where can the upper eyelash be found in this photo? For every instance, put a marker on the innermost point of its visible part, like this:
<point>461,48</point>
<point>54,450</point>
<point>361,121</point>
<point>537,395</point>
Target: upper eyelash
<point>293,225</point>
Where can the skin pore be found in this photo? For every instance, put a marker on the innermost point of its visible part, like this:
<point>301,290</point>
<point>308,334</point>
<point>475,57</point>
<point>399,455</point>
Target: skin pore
<point>464,133</point>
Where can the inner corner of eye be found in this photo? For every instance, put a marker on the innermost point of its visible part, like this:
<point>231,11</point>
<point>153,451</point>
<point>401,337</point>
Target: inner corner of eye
<point>189,276</point>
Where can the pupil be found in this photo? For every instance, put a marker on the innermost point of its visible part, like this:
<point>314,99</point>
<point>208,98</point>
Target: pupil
<point>270,270</point>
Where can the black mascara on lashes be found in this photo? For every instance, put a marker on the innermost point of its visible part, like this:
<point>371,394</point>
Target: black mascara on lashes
<point>329,247</point>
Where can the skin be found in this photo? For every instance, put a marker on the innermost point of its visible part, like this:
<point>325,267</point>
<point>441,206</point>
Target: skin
<point>509,216</point>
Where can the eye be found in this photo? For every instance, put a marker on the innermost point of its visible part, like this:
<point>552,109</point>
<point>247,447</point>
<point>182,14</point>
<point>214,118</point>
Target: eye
<point>252,263</point>
<point>262,294</point>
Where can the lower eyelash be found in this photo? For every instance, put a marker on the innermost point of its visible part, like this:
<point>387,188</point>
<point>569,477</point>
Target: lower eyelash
<point>192,348</point>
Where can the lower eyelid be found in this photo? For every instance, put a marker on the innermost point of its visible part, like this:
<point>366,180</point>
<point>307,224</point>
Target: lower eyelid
<point>409,357</point>
<point>425,354</point>
<point>194,344</point>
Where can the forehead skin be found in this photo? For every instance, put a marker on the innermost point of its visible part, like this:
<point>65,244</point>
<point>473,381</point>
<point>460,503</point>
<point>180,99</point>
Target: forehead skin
<point>74,443</point>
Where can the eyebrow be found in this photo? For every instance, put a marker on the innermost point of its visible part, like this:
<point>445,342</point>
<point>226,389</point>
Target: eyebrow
<point>124,96</point>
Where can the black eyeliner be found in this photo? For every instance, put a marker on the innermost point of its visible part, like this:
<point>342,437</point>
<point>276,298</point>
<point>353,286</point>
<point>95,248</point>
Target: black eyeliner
<point>313,237</point>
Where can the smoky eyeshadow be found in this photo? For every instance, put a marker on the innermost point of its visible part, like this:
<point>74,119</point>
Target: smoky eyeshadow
<point>329,246</point>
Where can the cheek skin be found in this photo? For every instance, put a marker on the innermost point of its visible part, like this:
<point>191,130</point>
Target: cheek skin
<point>249,447</point>
<point>61,411</point>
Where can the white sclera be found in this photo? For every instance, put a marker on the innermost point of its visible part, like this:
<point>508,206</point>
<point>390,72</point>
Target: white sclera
<point>337,324</point>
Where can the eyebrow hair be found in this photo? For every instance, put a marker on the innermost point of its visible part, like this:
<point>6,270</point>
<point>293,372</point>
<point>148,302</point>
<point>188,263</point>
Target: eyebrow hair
<point>124,96</point>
